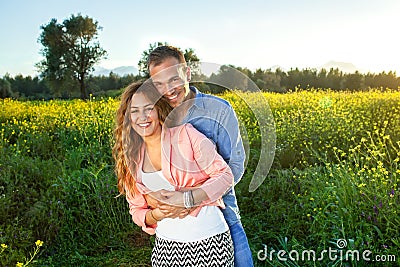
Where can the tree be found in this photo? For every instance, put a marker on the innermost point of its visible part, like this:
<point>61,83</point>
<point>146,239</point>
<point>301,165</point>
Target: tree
<point>70,50</point>
<point>5,89</point>
<point>193,61</point>
<point>354,81</point>
<point>230,77</point>
<point>142,64</point>
<point>335,78</point>
<point>189,54</point>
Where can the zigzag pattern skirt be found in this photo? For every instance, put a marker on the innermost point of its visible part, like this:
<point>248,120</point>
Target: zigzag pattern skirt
<point>216,251</point>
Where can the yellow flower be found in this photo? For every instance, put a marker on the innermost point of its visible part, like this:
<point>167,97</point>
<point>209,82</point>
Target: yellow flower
<point>19,264</point>
<point>39,243</point>
<point>4,246</point>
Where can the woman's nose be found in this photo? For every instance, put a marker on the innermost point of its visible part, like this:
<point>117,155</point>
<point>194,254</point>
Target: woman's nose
<point>143,116</point>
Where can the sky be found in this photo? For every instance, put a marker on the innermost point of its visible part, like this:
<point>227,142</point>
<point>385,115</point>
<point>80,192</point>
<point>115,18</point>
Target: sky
<point>253,34</point>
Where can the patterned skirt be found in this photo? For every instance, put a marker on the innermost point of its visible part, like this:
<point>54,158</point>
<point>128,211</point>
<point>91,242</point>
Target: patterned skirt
<point>214,251</point>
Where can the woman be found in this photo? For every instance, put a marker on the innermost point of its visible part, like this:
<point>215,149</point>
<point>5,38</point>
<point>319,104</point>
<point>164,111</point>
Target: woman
<point>150,158</point>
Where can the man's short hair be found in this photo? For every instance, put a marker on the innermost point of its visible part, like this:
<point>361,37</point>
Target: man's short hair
<point>159,54</point>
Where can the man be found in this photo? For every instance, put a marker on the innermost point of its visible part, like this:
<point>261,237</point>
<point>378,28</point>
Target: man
<point>216,119</point>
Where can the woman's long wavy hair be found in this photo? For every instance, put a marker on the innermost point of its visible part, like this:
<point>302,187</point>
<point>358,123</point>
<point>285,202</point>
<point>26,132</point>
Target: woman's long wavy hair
<point>128,144</point>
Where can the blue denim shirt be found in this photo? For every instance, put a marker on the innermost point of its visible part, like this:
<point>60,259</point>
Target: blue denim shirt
<point>216,119</point>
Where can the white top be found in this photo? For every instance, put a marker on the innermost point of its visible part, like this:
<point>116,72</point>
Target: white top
<point>209,222</point>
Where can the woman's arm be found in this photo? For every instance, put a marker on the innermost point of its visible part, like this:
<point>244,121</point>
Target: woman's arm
<point>139,210</point>
<point>218,177</point>
<point>154,216</point>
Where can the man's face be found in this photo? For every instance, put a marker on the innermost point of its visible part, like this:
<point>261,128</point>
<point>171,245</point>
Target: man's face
<point>171,80</point>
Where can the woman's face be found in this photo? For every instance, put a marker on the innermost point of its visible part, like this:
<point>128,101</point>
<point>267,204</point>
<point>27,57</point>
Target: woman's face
<point>144,116</point>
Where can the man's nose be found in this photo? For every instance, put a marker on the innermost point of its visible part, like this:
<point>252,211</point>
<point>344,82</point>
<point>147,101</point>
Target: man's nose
<point>170,91</point>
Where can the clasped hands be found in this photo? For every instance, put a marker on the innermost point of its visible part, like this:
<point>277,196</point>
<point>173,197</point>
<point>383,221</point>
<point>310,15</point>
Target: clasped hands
<point>169,203</point>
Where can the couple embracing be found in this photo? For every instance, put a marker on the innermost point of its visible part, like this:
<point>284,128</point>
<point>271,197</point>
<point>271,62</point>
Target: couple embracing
<point>178,155</point>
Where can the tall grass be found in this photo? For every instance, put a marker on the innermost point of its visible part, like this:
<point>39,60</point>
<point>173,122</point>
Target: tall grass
<point>335,176</point>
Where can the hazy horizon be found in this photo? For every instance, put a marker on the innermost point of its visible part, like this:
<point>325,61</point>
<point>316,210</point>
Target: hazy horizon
<point>263,34</point>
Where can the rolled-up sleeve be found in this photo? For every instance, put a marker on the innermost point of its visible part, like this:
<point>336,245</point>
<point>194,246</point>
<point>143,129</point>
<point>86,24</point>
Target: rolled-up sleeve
<point>138,208</point>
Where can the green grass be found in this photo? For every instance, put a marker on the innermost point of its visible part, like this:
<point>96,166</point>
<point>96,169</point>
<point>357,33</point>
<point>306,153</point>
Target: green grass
<point>335,176</point>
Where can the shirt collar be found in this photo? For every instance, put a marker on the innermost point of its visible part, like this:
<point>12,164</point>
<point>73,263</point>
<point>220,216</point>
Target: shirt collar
<point>198,98</point>
<point>198,103</point>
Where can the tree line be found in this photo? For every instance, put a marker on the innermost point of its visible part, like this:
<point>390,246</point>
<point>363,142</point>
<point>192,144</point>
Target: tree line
<point>334,79</point>
<point>27,87</point>
<point>70,51</point>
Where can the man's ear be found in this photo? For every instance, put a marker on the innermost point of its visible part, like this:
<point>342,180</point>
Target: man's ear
<point>188,74</point>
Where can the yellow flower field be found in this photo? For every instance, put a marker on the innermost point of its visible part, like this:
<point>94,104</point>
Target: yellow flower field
<point>335,175</point>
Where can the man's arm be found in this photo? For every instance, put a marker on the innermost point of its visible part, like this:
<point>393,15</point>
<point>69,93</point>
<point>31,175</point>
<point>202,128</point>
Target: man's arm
<point>158,200</point>
<point>230,144</point>
<point>170,203</point>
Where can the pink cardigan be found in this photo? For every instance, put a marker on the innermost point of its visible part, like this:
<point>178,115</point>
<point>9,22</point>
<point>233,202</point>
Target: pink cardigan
<point>189,159</point>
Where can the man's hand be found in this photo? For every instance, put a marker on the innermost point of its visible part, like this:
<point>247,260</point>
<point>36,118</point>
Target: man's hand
<point>170,203</point>
<point>172,198</point>
<point>152,200</point>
